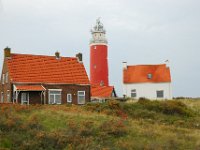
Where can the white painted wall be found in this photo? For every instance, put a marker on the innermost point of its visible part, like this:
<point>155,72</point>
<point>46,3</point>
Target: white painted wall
<point>148,90</point>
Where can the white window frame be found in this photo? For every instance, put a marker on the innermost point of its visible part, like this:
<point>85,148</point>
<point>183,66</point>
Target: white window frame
<point>57,90</point>
<point>8,96</point>
<point>3,78</point>
<point>6,77</point>
<point>78,97</point>
<point>22,98</point>
<point>134,91</point>
<point>69,98</point>
<point>2,97</point>
<point>158,95</point>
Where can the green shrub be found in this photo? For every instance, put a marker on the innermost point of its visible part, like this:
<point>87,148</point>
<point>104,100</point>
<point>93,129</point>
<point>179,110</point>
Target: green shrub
<point>170,107</point>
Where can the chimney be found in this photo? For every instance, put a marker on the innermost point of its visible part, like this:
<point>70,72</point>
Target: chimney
<point>57,54</point>
<point>79,56</point>
<point>7,52</point>
<point>124,65</point>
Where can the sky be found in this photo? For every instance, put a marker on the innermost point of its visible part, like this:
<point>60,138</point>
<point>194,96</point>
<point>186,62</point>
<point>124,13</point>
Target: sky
<point>138,32</point>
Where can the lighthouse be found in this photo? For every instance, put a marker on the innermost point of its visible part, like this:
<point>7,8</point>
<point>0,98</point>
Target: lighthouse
<point>99,56</point>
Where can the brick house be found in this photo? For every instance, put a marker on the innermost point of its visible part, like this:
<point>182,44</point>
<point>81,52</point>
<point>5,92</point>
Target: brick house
<point>37,79</point>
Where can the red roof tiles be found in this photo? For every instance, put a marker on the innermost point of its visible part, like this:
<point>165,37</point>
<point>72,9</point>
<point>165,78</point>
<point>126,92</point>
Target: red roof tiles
<point>101,91</point>
<point>30,88</point>
<point>139,74</point>
<point>46,69</point>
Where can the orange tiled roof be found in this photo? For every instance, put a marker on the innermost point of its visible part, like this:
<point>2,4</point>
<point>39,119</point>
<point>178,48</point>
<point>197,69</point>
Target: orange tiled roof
<point>46,69</point>
<point>30,88</point>
<point>101,91</point>
<point>139,74</point>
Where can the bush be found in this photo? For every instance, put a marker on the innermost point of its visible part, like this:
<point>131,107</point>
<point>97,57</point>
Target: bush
<point>171,107</point>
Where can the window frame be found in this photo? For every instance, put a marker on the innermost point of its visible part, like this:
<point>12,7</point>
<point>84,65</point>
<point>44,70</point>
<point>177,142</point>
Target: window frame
<point>158,94</point>
<point>69,101</point>
<point>3,78</point>
<point>27,97</point>
<point>6,76</point>
<point>8,96</point>
<point>78,97</point>
<point>134,91</point>
<point>54,100</point>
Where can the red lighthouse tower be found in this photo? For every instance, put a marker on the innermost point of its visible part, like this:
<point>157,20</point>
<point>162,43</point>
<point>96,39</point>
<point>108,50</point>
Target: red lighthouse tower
<point>99,56</point>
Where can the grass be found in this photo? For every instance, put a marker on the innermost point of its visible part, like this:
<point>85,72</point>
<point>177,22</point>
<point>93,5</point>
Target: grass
<point>112,125</point>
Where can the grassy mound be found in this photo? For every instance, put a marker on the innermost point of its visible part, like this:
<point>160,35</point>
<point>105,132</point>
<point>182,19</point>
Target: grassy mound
<point>111,125</point>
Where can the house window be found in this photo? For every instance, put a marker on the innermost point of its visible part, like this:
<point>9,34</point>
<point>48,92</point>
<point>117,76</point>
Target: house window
<point>6,77</point>
<point>133,93</point>
<point>160,94</point>
<point>69,98</point>
<point>8,96</point>
<point>55,96</point>
<point>2,97</point>
<point>3,78</point>
<point>25,98</point>
<point>81,97</point>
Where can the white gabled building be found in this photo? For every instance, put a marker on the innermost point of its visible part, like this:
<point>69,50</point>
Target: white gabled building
<point>149,81</point>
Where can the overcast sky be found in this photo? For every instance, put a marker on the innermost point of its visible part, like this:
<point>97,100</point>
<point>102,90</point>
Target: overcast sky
<point>138,31</point>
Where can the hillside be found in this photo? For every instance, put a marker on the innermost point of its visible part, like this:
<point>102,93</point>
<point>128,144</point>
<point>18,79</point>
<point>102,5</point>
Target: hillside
<point>112,125</point>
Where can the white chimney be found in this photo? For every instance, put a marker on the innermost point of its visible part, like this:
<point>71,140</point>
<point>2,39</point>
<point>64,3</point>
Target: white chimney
<point>125,65</point>
<point>167,63</point>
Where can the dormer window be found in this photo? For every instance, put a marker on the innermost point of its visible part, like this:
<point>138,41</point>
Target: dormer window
<point>149,76</point>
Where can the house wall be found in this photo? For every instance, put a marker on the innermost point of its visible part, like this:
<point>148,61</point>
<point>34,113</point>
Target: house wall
<point>148,90</point>
<point>34,97</point>
<point>69,89</point>
<point>6,87</point>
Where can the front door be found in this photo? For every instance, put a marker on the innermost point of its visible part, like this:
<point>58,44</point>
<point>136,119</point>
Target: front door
<point>25,98</point>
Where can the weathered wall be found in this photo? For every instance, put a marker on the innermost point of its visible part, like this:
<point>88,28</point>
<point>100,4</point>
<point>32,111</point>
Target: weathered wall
<point>6,86</point>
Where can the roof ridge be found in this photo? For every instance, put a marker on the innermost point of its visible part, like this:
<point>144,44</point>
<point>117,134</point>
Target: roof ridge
<point>146,65</point>
<point>40,55</point>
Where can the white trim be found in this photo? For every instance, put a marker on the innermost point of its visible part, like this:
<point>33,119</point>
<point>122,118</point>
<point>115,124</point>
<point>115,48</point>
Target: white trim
<point>96,44</point>
<point>3,79</point>
<point>55,90</point>
<point>27,97</point>
<point>8,92</point>
<point>44,87</point>
<point>69,101</point>
<point>6,77</point>
<point>81,95</point>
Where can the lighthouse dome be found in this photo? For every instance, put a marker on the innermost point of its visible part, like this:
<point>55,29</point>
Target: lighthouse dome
<point>98,33</point>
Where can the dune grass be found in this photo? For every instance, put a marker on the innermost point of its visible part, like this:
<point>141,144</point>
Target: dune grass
<point>112,125</point>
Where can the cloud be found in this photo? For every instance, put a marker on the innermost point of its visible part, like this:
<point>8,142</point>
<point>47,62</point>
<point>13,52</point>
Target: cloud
<point>145,31</point>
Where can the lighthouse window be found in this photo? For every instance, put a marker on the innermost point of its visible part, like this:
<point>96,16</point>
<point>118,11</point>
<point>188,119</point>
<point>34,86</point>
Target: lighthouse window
<point>95,47</point>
